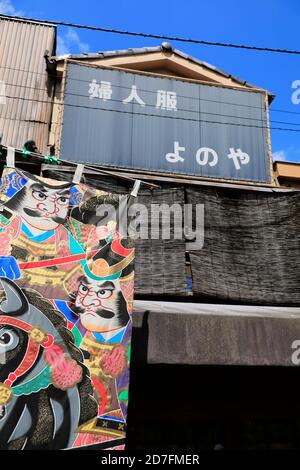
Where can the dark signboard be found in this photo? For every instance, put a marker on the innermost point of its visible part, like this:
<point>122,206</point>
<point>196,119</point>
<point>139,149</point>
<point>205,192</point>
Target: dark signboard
<point>166,125</point>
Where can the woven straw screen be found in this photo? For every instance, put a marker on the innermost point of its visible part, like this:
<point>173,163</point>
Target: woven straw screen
<point>159,263</point>
<point>251,250</point>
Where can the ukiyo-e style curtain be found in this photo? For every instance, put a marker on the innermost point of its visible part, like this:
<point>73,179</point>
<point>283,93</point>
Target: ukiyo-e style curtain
<point>65,314</point>
<point>159,263</point>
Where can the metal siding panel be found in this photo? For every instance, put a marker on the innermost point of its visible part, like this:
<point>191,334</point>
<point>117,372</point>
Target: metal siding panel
<point>26,114</point>
<point>135,136</point>
<point>91,134</point>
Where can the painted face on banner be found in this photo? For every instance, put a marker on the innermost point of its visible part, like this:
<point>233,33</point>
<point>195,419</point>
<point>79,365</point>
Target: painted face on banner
<point>44,207</point>
<point>101,305</point>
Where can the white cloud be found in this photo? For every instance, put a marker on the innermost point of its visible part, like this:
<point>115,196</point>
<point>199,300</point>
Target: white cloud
<point>280,155</point>
<point>62,47</point>
<point>70,41</point>
<point>7,8</point>
<point>289,154</point>
<point>74,39</point>
<point>66,43</point>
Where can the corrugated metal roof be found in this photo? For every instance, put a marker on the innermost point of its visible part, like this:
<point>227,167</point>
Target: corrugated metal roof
<point>25,108</point>
<point>286,162</point>
<point>149,50</point>
<point>175,180</point>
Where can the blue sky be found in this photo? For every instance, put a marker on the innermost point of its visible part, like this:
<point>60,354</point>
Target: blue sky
<point>271,23</point>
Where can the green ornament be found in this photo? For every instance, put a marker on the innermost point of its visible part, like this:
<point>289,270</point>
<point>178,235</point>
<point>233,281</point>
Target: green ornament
<point>25,152</point>
<point>52,160</point>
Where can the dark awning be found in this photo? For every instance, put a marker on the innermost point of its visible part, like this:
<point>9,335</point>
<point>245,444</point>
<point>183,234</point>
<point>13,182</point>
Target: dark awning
<point>189,333</point>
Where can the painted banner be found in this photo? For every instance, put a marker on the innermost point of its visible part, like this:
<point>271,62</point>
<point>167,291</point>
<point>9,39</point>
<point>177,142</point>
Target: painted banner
<point>65,314</point>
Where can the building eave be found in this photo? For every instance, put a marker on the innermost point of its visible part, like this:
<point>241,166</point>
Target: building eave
<point>169,55</point>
